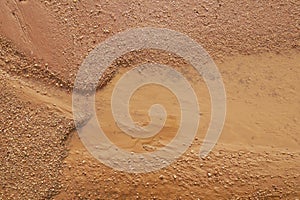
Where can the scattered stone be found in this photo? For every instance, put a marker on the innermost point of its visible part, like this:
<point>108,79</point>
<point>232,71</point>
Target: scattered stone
<point>106,31</point>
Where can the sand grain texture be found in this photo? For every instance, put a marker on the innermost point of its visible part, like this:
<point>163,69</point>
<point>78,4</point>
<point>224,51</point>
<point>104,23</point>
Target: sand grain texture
<point>256,47</point>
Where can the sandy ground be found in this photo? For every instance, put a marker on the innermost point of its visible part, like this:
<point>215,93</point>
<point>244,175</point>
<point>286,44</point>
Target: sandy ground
<point>256,47</point>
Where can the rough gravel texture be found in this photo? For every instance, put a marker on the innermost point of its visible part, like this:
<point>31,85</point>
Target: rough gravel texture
<point>255,43</point>
<point>71,29</point>
<point>224,174</point>
<point>33,146</point>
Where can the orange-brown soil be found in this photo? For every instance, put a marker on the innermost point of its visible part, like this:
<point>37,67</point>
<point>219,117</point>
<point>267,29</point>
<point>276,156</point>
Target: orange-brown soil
<point>256,47</point>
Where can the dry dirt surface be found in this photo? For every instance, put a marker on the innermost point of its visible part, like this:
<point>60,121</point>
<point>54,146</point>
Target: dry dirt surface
<point>256,46</point>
